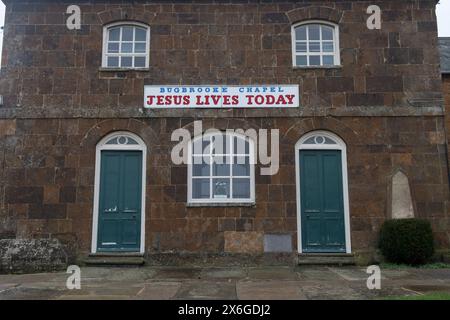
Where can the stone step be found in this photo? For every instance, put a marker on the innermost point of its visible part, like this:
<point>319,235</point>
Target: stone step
<point>325,259</point>
<point>114,259</point>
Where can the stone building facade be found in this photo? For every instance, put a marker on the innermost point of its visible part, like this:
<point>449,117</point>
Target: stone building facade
<point>382,99</point>
<point>444,48</point>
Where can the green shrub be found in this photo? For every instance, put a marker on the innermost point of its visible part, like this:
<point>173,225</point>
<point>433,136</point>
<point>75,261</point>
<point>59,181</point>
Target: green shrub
<point>408,241</point>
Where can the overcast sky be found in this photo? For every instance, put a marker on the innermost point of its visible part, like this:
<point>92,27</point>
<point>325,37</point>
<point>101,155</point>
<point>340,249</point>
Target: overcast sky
<point>442,11</point>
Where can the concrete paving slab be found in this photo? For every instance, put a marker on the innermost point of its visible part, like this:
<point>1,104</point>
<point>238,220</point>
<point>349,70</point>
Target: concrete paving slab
<point>93,273</point>
<point>331,291</point>
<point>61,285</point>
<point>272,273</point>
<point>22,293</point>
<point>397,274</point>
<point>424,288</point>
<point>387,289</point>
<point>137,274</point>
<point>159,291</point>
<point>113,288</point>
<point>177,273</point>
<point>265,282</point>
<point>431,274</point>
<point>200,290</point>
<point>269,290</point>
<point>36,277</point>
<point>352,273</point>
<point>223,273</point>
<point>94,297</point>
<point>316,273</point>
<point>7,286</point>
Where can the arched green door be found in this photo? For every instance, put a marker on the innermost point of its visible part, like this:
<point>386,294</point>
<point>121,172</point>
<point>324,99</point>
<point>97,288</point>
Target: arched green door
<point>321,201</point>
<point>119,221</point>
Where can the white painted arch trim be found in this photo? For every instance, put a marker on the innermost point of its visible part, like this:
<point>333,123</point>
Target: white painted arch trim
<point>141,146</point>
<point>340,145</point>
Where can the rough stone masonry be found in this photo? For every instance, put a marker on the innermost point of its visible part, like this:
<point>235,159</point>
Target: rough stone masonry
<point>384,101</point>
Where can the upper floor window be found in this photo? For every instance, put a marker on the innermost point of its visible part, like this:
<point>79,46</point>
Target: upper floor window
<point>126,45</point>
<point>221,169</point>
<point>315,44</point>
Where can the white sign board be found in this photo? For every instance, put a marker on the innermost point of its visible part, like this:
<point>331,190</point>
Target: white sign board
<point>204,97</point>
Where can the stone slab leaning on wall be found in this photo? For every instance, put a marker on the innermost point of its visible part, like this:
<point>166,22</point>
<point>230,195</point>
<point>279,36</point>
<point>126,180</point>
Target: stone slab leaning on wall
<point>32,255</point>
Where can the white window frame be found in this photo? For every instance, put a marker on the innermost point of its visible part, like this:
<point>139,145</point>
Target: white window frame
<point>211,200</point>
<point>105,53</point>
<point>341,146</point>
<point>102,145</point>
<point>336,53</point>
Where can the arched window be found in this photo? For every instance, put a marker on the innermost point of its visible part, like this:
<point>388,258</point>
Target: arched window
<point>221,169</point>
<point>126,45</point>
<point>315,44</point>
<point>121,140</point>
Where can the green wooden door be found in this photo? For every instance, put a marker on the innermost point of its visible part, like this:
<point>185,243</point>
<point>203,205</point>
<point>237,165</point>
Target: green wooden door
<point>321,201</point>
<point>119,223</point>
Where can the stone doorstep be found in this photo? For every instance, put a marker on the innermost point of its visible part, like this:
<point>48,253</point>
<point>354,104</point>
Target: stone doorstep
<point>325,259</point>
<point>115,259</point>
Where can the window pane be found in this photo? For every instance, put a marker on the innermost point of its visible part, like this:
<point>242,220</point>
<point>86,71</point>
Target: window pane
<point>328,46</point>
<point>301,47</point>
<point>328,60</point>
<point>126,62</point>
<point>327,33</point>
<point>241,188</point>
<point>310,141</point>
<point>201,146</point>
<point>131,141</point>
<point>301,61</point>
<point>112,141</point>
<point>127,34</point>
<point>113,62</point>
<point>314,60</point>
<point>141,34</point>
<point>139,48</point>
<point>221,166</point>
<point>200,167</point>
<point>221,188</point>
<point>241,166</point>
<point>221,144</point>
<point>314,32</point>
<point>241,145</point>
<point>139,62</point>
<point>314,46</point>
<point>114,34</point>
<point>200,188</point>
<point>113,48</point>
<point>300,33</point>
<point>329,141</point>
<point>127,48</point>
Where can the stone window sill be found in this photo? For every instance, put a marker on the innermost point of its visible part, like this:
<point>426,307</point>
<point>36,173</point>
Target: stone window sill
<point>220,204</point>
<point>316,67</point>
<point>103,69</point>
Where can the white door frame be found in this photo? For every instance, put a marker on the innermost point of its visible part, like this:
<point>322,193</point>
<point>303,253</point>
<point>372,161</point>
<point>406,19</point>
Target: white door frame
<point>338,145</point>
<point>118,147</point>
